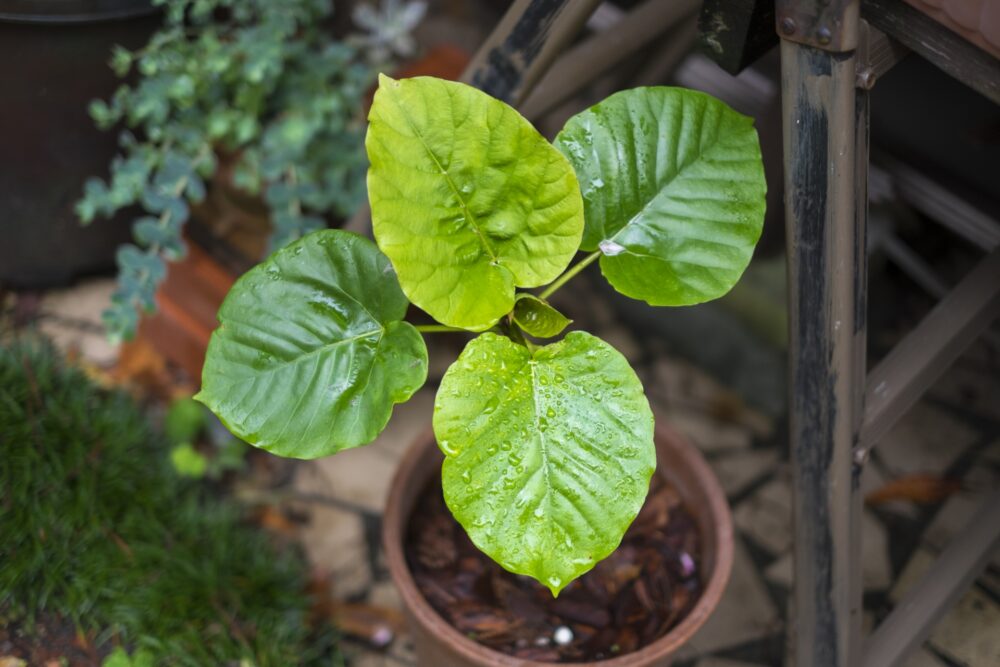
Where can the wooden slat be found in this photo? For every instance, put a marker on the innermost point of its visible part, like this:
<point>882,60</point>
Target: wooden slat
<point>941,47</point>
<point>927,351</point>
<point>954,571</point>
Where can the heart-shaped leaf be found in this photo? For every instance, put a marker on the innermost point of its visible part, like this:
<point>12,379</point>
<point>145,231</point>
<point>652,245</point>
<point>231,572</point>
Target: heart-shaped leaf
<point>468,200</point>
<point>548,454</point>
<point>673,188</point>
<point>537,317</point>
<point>311,352</point>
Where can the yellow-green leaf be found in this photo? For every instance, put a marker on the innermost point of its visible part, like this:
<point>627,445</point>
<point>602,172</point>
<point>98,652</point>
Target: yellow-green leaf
<point>468,200</point>
<point>537,317</point>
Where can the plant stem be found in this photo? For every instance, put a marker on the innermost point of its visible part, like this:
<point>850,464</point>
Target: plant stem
<point>432,328</point>
<point>572,271</point>
<point>294,206</point>
<point>516,334</point>
<point>164,218</point>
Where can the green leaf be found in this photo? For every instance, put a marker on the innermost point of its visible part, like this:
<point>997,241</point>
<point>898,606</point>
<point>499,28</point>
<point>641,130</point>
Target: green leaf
<point>673,189</point>
<point>117,658</point>
<point>143,658</point>
<point>468,200</point>
<point>120,320</point>
<point>537,317</point>
<point>156,200</point>
<point>120,658</point>
<point>101,113</point>
<point>175,168</point>
<point>184,420</point>
<point>188,461</point>
<point>229,457</point>
<point>146,266</point>
<point>312,353</point>
<point>548,455</point>
<point>121,60</point>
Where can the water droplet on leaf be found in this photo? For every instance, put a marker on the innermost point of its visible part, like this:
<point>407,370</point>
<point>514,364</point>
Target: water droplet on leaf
<point>611,248</point>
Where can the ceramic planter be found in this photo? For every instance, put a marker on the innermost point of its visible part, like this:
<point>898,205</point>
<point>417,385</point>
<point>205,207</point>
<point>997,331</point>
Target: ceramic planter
<point>53,62</point>
<point>438,644</point>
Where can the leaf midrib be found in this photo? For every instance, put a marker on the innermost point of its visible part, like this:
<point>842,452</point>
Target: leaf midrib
<point>533,365</point>
<point>323,348</point>
<point>666,185</point>
<point>458,193</point>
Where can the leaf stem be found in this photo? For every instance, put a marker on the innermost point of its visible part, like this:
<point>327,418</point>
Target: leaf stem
<point>294,206</point>
<point>432,328</point>
<point>572,271</point>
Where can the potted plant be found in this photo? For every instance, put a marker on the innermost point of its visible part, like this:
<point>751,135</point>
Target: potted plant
<point>548,447</point>
<point>260,91</point>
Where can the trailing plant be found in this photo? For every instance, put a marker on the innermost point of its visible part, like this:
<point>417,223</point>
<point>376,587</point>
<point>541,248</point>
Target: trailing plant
<point>185,423</point>
<point>548,445</point>
<point>260,83</point>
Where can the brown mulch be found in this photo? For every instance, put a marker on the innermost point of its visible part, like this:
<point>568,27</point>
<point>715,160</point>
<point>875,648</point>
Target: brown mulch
<point>627,601</point>
<point>50,641</point>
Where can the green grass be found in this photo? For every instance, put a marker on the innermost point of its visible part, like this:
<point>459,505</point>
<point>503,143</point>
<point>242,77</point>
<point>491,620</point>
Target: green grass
<point>96,526</point>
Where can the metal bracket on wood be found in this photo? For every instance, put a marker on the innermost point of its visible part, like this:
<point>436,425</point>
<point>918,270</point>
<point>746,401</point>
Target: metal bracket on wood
<point>828,25</point>
<point>943,48</point>
<point>877,54</point>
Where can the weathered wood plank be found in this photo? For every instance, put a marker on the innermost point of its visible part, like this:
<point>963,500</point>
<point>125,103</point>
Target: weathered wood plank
<point>940,46</point>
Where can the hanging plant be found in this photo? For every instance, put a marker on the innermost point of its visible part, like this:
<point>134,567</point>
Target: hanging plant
<point>263,81</point>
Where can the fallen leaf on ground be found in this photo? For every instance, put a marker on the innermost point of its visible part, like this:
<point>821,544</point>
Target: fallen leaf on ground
<point>274,520</point>
<point>141,367</point>
<point>921,488</point>
<point>376,625</point>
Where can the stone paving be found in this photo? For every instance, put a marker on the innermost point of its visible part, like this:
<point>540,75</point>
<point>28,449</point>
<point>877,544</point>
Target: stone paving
<point>954,432</point>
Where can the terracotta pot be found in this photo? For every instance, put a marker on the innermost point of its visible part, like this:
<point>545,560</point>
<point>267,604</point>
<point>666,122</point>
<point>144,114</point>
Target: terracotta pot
<point>187,302</point>
<point>439,644</point>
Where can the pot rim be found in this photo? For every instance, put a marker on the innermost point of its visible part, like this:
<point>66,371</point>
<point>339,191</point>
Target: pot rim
<point>421,611</point>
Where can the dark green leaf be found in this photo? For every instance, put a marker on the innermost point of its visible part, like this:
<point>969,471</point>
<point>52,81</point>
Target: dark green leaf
<point>311,352</point>
<point>156,200</point>
<point>120,321</point>
<point>195,189</point>
<point>673,189</point>
<point>121,60</point>
<point>132,260</point>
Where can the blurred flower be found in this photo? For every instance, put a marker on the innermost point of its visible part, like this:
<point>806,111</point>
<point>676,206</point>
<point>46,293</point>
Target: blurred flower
<point>388,28</point>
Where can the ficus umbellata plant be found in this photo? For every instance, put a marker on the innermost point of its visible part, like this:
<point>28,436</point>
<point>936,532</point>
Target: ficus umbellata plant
<point>548,445</point>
